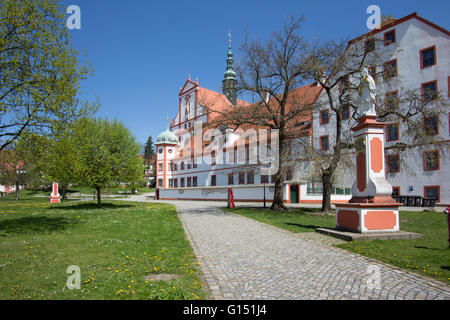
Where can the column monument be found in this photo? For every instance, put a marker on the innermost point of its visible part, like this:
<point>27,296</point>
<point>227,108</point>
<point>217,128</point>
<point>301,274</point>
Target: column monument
<point>372,208</point>
<point>54,196</point>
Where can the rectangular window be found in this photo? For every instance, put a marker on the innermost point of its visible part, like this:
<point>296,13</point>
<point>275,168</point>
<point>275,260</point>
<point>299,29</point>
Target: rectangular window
<point>390,69</point>
<point>194,182</point>
<point>392,132</point>
<point>230,179</point>
<point>324,143</point>
<point>369,45</point>
<point>344,83</point>
<point>241,178</point>
<point>431,125</point>
<point>175,167</point>
<point>251,177</point>
<point>170,183</point>
<point>428,57</point>
<point>247,154</point>
<point>389,37</point>
<point>289,174</point>
<point>241,156</point>
<point>189,182</point>
<point>213,158</point>
<point>171,166</point>
<point>182,165</point>
<point>431,160</point>
<point>189,165</point>
<point>429,91</point>
<point>345,112</point>
<point>432,192</point>
<point>395,191</point>
<point>392,101</point>
<point>324,117</point>
<point>160,183</point>
<point>160,168</point>
<point>175,183</point>
<point>393,163</point>
<point>264,179</point>
<point>182,182</point>
<point>213,181</point>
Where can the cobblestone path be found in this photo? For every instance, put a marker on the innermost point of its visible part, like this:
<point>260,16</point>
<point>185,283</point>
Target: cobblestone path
<point>246,259</point>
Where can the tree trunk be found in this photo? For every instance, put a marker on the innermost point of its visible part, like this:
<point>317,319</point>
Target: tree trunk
<point>17,192</point>
<point>64,192</point>
<point>326,194</point>
<point>278,202</point>
<point>99,198</point>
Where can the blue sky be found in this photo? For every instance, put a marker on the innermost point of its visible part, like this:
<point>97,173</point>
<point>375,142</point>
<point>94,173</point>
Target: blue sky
<point>143,50</point>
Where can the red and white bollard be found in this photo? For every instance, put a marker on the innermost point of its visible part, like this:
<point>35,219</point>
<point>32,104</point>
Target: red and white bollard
<point>54,196</point>
<point>231,204</point>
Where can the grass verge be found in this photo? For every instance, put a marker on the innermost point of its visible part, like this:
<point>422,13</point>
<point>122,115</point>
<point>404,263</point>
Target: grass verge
<point>116,248</point>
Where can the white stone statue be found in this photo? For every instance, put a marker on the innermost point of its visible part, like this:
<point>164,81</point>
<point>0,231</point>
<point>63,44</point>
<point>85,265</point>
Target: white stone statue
<point>367,92</point>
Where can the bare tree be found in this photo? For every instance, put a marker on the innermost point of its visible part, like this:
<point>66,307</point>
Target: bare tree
<point>338,66</point>
<point>268,75</point>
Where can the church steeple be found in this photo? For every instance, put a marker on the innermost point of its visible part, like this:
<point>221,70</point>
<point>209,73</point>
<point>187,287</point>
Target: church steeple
<point>229,84</point>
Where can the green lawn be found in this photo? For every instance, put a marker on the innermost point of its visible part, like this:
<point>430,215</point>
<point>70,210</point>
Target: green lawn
<point>428,255</point>
<point>116,248</point>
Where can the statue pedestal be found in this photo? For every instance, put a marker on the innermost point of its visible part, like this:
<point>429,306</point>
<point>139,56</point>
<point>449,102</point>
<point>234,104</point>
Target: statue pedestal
<point>372,208</point>
<point>54,196</point>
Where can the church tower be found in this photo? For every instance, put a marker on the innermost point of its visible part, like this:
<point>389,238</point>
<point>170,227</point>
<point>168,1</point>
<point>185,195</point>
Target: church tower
<point>229,84</point>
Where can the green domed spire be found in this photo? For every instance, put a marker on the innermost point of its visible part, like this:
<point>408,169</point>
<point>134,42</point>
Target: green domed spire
<point>230,74</point>
<point>167,137</point>
<point>230,82</point>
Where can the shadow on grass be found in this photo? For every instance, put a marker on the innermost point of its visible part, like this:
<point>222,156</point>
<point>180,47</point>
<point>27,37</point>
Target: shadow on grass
<point>93,206</point>
<point>29,225</point>
<point>298,211</point>
<point>426,248</point>
<point>303,226</point>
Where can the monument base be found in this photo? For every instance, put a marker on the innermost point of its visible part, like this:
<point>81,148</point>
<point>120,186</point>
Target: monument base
<point>352,236</point>
<point>368,217</point>
<point>55,200</point>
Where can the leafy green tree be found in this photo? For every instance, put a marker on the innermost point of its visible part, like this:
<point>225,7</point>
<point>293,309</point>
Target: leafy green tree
<point>106,153</point>
<point>52,157</point>
<point>149,151</point>
<point>150,160</point>
<point>15,166</point>
<point>40,72</point>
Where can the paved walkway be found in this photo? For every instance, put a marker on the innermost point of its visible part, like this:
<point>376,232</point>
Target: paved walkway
<point>244,259</point>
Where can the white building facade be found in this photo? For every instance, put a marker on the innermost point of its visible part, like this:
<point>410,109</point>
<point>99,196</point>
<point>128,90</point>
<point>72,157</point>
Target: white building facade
<point>419,53</point>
